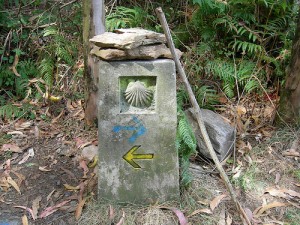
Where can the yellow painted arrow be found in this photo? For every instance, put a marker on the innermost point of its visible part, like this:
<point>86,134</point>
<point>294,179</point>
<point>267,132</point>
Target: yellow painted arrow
<point>130,156</point>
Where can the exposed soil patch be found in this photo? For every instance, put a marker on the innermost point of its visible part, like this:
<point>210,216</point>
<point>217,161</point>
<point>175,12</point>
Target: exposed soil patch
<point>56,173</point>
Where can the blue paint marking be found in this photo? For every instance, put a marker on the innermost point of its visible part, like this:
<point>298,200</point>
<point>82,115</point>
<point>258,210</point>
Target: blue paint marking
<point>138,129</point>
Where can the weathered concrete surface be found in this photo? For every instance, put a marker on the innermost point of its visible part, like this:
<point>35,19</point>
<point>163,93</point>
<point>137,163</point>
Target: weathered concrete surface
<point>149,130</point>
<point>221,133</point>
<point>141,52</point>
<point>128,38</point>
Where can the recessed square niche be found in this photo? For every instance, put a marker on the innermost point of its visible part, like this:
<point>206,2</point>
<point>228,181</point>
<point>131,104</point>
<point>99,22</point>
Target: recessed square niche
<point>137,94</point>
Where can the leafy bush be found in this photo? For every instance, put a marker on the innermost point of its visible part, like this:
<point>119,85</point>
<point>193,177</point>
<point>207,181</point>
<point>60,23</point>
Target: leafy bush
<point>255,34</point>
<point>36,38</point>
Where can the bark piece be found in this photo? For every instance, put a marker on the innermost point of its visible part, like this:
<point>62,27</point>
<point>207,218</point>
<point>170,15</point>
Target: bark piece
<point>128,38</point>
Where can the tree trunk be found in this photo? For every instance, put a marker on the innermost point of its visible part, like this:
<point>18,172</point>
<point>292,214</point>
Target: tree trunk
<point>93,24</point>
<point>290,97</point>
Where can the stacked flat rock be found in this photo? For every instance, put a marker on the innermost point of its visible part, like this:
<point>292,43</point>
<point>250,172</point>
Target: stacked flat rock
<point>133,43</point>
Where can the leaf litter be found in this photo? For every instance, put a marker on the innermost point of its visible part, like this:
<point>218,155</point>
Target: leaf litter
<point>57,195</point>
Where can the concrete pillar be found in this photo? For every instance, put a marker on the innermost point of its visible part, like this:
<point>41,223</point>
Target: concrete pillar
<point>138,161</point>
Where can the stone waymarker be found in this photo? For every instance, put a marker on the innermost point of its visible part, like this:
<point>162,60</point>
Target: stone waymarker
<point>138,162</point>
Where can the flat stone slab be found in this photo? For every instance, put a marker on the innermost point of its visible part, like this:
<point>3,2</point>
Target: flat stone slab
<point>128,38</point>
<point>140,52</point>
<point>138,161</point>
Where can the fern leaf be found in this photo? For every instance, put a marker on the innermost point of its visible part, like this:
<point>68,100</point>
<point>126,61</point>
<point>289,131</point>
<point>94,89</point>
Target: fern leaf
<point>46,68</point>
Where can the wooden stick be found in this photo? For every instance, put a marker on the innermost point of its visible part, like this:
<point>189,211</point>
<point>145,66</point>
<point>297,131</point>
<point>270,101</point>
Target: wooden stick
<point>198,114</point>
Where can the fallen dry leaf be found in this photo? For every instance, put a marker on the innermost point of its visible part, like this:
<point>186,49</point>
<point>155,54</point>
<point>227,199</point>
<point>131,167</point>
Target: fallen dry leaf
<point>203,202</point>
<point>292,193</point>
<point>26,208</point>
<point>49,210</point>
<point>26,157</point>
<point>272,170</point>
<point>291,152</point>
<point>179,214</point>
<point>83,165</point>
<point>50,194</point>
<point>69,187</point>
<point>23,126</point>
<point>262,209</point>
<point>24,220</point>
<point>275,192</point>
<point>36,206</point>
<point>282,192</point>
<point>241,110</point>
<point>14,184</point>
<point>229,219</point>
<point>222,220</point>
<point>206,210</point>
<point>122,219</point>
<point>111,213</point>
<point>15,133</point>
<point>44,169</point>
<point>268,111</point>
<point>4,183</point>
<point>216,201</point>
<point>249,213</point>
<point>36,132</point>
<point>277,178</point>
<point>11,148</point>
<point>79,142</point>
<point>79,208</point>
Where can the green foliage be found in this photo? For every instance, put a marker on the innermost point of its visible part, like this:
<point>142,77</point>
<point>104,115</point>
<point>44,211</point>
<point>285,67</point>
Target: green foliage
<point>256,32</point>
<point>242,76</point>
<point>46,68</point>
<point>206,96</point>
<point>17,86</point>
<point>185,143</point>
<point>36,38</point>
<point>123,17</point>
<point>57,51</point>
<point>11,111</point>
<point>297,175</point>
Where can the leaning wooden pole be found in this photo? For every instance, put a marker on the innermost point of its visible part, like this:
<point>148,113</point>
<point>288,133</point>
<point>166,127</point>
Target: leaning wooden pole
<point>198,114</point>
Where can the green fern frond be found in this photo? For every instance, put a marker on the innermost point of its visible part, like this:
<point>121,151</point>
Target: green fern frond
<point>21,85</point>
<point>186,133</point>
<point>49,31</point>
<point>9,111</point>
<point>186,176</point>
<point>123,17</point>
<point>46,68</point>
<point>251,85</point>
<point>182,98</point>
<point>206,96</point>
<point>186,147</point>
<point>64,55</point>
<point>247,47</point>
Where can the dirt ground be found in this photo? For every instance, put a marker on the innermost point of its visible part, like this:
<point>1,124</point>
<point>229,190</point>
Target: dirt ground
<point>45,179</point>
